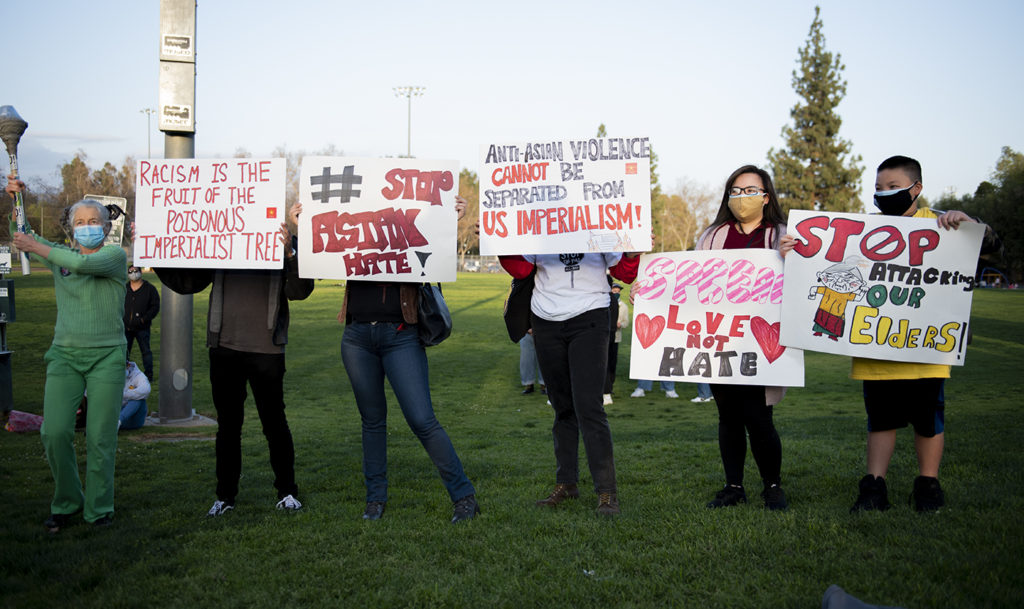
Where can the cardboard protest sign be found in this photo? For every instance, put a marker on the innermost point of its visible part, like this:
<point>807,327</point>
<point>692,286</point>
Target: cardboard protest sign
<point>590,195</point>
<point>378,219</point>
<point>712,317</point>
<point>217,213</point>
<point>880,287</point>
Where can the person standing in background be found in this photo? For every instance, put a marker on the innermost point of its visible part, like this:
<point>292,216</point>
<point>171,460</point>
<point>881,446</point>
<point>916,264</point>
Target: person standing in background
<point>141,306</point>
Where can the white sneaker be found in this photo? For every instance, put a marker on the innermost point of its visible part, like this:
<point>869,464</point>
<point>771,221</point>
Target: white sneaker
<point>220,508</point>
<point>289,503</point>
<point>607,399</point>
<point>671,394</point>
<point>637,393</point>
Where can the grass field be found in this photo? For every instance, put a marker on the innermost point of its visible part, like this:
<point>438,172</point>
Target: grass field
<point>666,549</point>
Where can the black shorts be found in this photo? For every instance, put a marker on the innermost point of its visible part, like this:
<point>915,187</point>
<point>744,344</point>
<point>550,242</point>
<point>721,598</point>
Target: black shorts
<point>898,403</point>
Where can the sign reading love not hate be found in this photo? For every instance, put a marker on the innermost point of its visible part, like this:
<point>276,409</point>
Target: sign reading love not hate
<point>712,317</point>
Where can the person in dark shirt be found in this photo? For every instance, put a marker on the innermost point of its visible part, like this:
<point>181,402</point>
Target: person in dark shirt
<point>141,306</point>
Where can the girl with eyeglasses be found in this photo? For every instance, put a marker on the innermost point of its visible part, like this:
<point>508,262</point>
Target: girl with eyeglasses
<point>750,217</point>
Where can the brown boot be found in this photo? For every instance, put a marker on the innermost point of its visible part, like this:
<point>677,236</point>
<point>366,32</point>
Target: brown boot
<point>608,504</point>
<point>560,494</point>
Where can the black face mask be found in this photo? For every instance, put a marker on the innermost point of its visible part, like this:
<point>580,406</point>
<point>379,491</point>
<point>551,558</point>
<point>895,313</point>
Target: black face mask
<point>894,203</point>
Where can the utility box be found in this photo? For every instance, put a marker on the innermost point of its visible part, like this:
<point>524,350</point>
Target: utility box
<point>6,302</point>
<point>177,66</point>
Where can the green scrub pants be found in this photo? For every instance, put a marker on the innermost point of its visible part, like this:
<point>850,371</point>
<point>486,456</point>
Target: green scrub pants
<point>70,371</point>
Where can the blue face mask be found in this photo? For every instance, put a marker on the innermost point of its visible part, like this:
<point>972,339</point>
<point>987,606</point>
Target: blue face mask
<point>90,236</point>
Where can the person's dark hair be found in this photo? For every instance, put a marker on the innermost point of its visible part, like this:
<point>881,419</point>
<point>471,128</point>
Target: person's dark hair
<point>909,166</point>
<point>772,211</point>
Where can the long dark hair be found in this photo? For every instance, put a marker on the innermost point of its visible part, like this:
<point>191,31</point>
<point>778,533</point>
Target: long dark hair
<point>772,211</point>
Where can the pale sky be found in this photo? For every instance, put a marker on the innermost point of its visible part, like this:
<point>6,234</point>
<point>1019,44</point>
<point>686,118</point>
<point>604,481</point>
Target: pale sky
<point>708,82</point>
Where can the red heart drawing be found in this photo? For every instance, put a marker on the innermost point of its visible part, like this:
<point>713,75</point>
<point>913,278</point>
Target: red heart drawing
<point>648,330</point>
<point>767,336</point>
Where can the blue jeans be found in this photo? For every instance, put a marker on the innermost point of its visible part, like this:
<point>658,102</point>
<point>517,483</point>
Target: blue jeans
<point>528,371</point>
<point>371,352</point>
<point>133,414</point>
<point>647,385</point>
<point>703,390</point>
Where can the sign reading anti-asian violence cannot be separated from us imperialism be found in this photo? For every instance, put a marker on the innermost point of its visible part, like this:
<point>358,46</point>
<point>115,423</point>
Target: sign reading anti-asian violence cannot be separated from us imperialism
<point>552,197</point>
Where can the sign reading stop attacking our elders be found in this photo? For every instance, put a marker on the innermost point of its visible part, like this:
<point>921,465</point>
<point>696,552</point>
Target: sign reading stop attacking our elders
<point>551,197</point>
<point>387,219</point>
<point>712,317</point>
<point>217,213</point>
<point>880,287</point>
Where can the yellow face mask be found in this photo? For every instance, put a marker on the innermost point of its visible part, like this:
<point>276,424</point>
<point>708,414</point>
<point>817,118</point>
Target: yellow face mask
<point>747,208</point>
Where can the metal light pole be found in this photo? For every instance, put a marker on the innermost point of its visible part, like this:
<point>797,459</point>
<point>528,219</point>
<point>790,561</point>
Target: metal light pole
<point>409,92</point>
<point>149,130</point>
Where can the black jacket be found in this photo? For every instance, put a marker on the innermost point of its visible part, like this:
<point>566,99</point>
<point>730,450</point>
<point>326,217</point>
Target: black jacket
<point>140,306</point>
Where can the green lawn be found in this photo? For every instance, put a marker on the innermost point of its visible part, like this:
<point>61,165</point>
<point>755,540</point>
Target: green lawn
<point>666,549</point>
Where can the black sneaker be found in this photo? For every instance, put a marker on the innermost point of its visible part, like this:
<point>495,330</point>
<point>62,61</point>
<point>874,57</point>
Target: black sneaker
<point>56,522</point>
<point>465,509</point>
<point>374,510</point>
<point>774,498</point>
<point>874,495</point>
<point>728,496</point>
<point>927,495</point>
<point>103,521</point>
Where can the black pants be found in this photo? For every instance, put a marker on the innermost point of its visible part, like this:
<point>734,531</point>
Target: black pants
<point>613,361</point>
<point>142,337</point>
<point>572,355</point>
<point>742,410</point>
<point>230,370</point>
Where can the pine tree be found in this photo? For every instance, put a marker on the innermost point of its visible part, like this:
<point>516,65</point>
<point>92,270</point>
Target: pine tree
<point>816,170</point>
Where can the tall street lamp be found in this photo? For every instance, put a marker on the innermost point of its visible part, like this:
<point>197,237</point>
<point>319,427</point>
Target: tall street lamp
<point>149,114</point>
<point>408,93</point>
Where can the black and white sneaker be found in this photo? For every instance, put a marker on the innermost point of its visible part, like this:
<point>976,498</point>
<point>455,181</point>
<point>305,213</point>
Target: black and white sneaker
<point>220,508</point>
<point>289,503</point>
<point>465,509</point>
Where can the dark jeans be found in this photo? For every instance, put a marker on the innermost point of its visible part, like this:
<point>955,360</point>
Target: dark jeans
<point>742,410</point>
<point>142,337</point>
<point>230,370</point>
<point>371,352</point>
<point>573,357</point>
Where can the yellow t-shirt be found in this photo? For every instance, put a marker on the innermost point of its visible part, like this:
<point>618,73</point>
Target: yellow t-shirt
<point>883,370</point>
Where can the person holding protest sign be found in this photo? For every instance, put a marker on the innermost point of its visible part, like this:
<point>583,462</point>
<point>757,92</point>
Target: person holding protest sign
<point>571,326</point>
<point>750,217</point>
<point>898,394</point>
<point>246,330</point>
<point>381,341</point>
<point>87,353</point>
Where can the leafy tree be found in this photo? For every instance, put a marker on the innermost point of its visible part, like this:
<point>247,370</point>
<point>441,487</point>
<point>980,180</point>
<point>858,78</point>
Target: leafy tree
<point>816,170</point>
<point>996,202</point>
<point>469,241</point>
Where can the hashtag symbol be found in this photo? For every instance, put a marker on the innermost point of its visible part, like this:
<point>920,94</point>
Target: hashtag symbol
<point>347,179</point>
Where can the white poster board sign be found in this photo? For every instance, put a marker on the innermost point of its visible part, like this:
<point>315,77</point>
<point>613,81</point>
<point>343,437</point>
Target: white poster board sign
<point>378,219</point>
<point>588,195</point>
<point>217,213</point>
<point>712,317</point>
<point>880,287</point>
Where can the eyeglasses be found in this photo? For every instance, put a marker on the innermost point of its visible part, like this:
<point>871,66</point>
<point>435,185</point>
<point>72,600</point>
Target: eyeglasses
<point>736,191</point>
